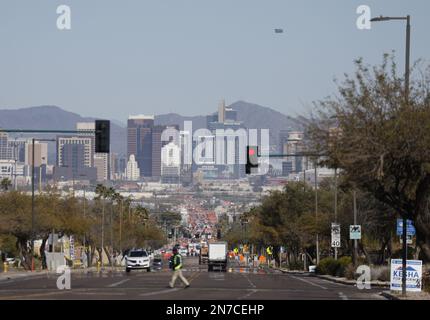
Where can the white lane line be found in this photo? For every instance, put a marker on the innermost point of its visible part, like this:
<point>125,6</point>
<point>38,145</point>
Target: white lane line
<point>248,294</point>
<point>342,296</point>
<point>250,282</point>
<point>309,282</point>
<point>159,292</point>
<point>118,283</point>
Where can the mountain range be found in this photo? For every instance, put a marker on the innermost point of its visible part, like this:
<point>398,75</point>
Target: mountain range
<point>53,117</point>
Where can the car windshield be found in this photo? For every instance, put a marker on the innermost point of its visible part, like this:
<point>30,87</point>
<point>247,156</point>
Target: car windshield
<point>137,254</point>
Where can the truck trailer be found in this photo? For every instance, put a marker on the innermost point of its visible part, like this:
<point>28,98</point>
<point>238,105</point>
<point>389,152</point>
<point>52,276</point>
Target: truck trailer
<point>217,256</point>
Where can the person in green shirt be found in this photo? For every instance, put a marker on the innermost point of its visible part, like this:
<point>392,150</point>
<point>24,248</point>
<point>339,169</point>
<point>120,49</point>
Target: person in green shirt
<point>176,265</point>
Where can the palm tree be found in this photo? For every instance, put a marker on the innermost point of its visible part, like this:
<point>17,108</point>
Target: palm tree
<point>101,192</point>
<point>5,184</point>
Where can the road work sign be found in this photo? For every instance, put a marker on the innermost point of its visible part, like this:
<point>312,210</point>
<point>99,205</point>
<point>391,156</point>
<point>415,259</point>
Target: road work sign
<point>414,269</point>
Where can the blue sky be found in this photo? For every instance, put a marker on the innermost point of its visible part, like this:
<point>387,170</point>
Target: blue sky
<point>156,56</point>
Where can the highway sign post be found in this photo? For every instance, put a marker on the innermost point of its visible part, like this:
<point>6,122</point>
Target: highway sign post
<point>413,275</point>
<point>335,235</point>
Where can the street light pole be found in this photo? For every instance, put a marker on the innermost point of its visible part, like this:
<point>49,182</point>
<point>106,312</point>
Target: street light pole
<point>316,212</point>
<point>407,75</point>
<point>335,206</point>
<point>32,205</point>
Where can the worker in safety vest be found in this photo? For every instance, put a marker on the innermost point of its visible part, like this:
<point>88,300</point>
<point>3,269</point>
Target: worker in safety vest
<point>176,266</point>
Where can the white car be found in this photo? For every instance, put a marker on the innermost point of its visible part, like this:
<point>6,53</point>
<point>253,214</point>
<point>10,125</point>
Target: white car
<point>137,259</point>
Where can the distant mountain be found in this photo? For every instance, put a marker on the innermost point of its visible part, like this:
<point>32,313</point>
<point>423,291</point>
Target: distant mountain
<point>53,117</point>
<point>253,116</point>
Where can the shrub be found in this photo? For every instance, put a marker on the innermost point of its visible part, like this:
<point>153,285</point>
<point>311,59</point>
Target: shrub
<point>350,272</point>
<point>381,273</point>
<point>295,266</point>
<point>327,266</point>
<point>334,267</point>
<point>343,262</point>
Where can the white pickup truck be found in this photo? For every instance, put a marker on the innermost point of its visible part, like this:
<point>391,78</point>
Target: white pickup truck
<point>217,256</point>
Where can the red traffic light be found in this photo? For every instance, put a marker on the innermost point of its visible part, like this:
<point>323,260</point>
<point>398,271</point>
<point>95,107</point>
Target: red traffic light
<point>251,152</point>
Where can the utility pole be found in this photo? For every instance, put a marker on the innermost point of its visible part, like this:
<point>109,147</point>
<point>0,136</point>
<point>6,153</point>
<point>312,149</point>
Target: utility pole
<point>407,76</point>
<point>335,206</point>
<point>32,205</point>
<point>316,212</point>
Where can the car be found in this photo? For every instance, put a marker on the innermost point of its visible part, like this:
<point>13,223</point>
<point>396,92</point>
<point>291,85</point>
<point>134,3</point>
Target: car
<point>157,263</point>
<point>137,259</point>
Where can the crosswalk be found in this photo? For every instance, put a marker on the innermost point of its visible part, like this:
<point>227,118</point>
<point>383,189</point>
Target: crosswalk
<point>229,270</point>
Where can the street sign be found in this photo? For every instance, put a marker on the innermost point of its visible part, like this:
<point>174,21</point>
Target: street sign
<point>414,269</point>
<point>409,239</point>
<point>355,232</point>
<point>335,235</point>
<point>410,229</point>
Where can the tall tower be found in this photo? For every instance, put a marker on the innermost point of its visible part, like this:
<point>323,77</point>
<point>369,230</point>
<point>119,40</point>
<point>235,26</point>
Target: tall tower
<point>139,142</point>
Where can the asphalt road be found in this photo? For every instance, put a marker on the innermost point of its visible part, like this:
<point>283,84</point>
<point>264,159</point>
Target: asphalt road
<point>236,284</point>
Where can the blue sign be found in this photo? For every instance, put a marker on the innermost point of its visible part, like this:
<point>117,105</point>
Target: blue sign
<point>410,229</point>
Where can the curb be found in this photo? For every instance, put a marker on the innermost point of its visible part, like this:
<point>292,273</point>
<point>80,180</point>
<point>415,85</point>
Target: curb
<point>333,279</point>
<point>389,296</point>
<point>350,282</point>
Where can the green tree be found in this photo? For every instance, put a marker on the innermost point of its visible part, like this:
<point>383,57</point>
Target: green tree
<point>5,184</point>
<point>379,139</point>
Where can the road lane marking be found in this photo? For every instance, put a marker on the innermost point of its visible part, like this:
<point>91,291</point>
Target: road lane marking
<point>250,282</point>
<point>309,282</point>
<point>342,296</point>
<point>248,294</point>
<point>158,292</point>
<point>118,283</point>
<point>34,295</point>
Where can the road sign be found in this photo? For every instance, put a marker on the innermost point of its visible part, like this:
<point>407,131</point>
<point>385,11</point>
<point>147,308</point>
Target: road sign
<point>335,235</point>
<point>410,229</point>
<point>355,232</point>
<point>414,269</point>
<point>409,239</point>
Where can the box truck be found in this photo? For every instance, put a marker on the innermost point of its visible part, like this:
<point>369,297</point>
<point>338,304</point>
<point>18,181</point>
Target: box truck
<point>217,256</point>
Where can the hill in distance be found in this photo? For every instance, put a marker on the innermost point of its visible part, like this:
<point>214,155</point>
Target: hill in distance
<point>52,117</point>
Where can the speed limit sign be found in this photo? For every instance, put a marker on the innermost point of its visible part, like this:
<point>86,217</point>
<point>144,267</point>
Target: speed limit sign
<point>335,235</point>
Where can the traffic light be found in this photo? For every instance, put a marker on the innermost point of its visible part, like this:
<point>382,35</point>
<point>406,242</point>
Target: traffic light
<point>102,136</point>
<point>218,234</point>
<point>251,158</point>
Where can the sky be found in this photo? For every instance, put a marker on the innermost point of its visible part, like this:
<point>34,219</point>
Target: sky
<point>125,57</point>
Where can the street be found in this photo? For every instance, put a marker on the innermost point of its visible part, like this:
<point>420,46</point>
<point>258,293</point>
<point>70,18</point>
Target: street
<point>237,284</point>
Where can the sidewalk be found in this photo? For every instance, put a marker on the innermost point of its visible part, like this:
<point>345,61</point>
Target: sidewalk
<point>375,283</point>
<point>13,274</point>
<point>396,295</point>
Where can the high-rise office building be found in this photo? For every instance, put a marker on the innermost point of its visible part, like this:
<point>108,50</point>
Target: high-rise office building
<point>6,151</point>
<point>40,153</point>
<point>132,171</point>
<point>75,158</point>
<point>100,160</point>
<point>139,142</point>
<point>170,163</point>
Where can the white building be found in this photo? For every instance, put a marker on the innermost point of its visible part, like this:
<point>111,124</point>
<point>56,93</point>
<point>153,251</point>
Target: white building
<point>40,153</point>
<point>100,160</point>
<point>132,172</point>
<point>170,163</point>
